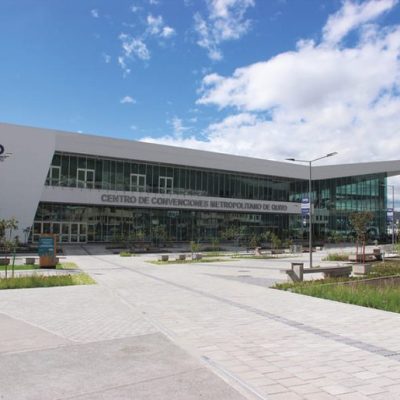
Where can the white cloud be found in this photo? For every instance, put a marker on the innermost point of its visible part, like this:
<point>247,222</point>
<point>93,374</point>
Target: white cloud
<point>132,47</point>
<point>313,100</point>
<point>95,13</point>
<point>135,47</point>
<point>178,126</point>
<point>351,16</point>
<point>154,24</point>
<point>167,32</point>
<point>225,21</point>
<point>106,58</point>
<point>157,27</point>
<point>123,65</point>
<point>135,8</point>
<point>127,100</point>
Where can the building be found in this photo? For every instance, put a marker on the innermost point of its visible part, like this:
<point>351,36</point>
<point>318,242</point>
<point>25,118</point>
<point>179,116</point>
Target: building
<point>88,188</point>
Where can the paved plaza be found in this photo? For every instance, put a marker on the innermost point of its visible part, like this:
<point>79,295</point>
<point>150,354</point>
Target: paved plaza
<point>191,331</point>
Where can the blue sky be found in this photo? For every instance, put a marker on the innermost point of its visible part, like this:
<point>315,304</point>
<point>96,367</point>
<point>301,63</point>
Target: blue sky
<point>60,64</point>
<point>264,78</point>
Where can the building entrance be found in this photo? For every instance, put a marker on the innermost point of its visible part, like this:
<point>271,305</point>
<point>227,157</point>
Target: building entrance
<point>67,232</point>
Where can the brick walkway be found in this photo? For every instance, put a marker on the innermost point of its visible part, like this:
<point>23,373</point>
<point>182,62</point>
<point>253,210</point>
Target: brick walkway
<point>269,344</point>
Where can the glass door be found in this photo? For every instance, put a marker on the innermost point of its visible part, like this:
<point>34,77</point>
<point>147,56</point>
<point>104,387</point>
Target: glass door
<point>82,233</point>
<point>65,232</point>
<point>74,232</point>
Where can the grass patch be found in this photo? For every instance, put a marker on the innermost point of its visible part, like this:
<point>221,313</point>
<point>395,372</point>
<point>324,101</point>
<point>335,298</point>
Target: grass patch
<point>207,260</point>
<point>387,268</point>
<point>22,267</point>
<point>336,257</point>
<point>126,254</point>
<point>253,257</point>
<point>384,297</point>
<point>37,280</point>
<point>18,267</point>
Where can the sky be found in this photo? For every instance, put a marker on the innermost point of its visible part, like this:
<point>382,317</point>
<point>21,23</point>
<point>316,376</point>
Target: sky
<point>264,78</point>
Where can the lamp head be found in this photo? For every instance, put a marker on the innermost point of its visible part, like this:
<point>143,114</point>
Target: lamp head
<point>332,154</point>
<point>290,159</point>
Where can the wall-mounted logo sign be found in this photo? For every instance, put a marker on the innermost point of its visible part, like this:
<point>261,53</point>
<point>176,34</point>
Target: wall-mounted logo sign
<point>3,154</point>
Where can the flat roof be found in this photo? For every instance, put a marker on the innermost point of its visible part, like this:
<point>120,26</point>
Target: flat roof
<point>95,145</point>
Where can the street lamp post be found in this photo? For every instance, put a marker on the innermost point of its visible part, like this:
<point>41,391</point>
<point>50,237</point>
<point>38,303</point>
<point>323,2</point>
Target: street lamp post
<point>391,186</point>
<point>309,162</point>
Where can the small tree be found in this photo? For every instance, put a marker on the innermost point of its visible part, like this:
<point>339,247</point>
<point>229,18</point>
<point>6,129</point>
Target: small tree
<point>254,241</point>
<point>276,242</point>
<point>215,244</point>
<point>194,247</point>
<point>266,236</point>
<point>159,234</point>
<point>360,221</point>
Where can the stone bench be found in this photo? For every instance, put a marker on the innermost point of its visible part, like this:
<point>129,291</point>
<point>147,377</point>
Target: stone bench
<point>30,261</point>
<point>369,257</point>
<point>181,257</point>
<point>4,261</point>
<point>163,257</point>
<point>297,271</point>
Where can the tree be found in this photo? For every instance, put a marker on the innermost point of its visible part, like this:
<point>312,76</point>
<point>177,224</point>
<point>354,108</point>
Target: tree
<point>360,221</point>
<point>254,241</point>
<point>6,240</point>
<point>159,234</point>
<point>276,242</point>
<point>11,225</point>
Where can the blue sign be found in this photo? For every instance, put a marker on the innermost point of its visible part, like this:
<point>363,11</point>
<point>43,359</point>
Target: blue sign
<point>46,246</point>
<point>389,214</point>
<point>305,206</point>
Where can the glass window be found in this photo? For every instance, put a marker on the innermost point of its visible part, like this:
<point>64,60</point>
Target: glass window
<point>85,178</point>
<point>54,175</point>
<point>138,183</point>
<point>166,184</point>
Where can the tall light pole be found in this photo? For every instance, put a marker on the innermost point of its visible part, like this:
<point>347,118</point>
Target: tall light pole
<point>391,186</point>
<point>309,162</point>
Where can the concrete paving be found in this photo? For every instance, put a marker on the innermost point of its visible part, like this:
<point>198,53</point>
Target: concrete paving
<point>223,333</point>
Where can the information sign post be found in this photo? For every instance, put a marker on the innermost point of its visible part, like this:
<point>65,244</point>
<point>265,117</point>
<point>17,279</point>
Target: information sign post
<point>47,251</point>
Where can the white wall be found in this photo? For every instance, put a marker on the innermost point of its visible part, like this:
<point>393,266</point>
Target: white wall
<point>23,174</point>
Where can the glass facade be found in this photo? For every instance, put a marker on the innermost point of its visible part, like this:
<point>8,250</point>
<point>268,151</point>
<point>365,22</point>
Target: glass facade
<point>127,175</point>
<point>334,200</point>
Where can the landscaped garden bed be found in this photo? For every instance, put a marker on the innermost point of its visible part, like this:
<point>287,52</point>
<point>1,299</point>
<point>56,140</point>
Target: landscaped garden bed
<point>37,279</point>
<point>378,289</point>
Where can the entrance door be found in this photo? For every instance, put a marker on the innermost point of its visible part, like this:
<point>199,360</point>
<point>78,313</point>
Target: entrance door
<point>78,232</point>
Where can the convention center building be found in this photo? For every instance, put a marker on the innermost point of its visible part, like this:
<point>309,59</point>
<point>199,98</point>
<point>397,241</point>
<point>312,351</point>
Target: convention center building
<point>87,188</point>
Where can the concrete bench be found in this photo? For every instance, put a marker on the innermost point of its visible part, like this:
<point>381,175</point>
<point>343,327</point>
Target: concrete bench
<point>163,257</point>
<point>30,261</point>
<point>369,257</point>
<point>297,271</point>
<point>181,257</point>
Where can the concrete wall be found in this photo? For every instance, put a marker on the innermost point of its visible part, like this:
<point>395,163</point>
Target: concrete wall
<point>23,174</point>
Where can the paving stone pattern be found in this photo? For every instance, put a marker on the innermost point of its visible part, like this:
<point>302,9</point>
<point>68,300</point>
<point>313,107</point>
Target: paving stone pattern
<point>272,344</point>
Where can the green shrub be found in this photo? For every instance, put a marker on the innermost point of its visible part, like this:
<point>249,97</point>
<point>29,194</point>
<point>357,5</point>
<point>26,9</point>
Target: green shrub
<point>336,257</point>
<point>125,254</point>
<point>387,268</point>
<point>34,281</point>
<point>384,298</point>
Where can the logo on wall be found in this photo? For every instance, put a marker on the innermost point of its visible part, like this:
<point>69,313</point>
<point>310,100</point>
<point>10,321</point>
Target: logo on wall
<point>3,154</point>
